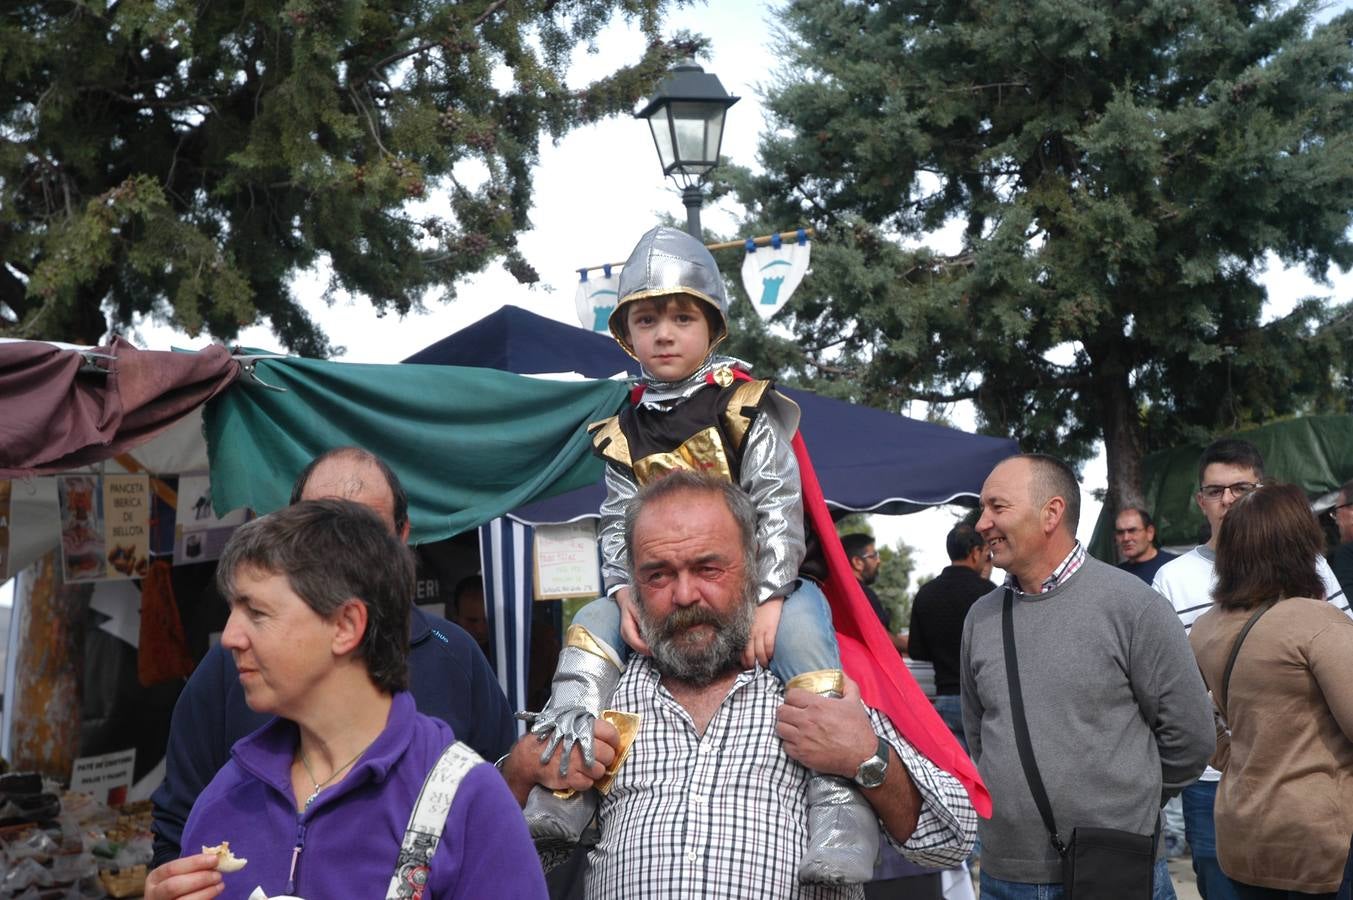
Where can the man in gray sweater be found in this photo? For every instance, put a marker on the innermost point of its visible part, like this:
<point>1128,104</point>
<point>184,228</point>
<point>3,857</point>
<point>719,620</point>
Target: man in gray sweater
<point>1118,715</point>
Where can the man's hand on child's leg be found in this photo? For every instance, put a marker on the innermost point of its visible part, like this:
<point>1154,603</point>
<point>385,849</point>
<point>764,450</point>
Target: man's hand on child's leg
<point>629,622</point>
<point>765,622</point>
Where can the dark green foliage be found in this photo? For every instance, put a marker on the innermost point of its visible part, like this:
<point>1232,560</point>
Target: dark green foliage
<point>1118,174</point>
<point>187,159</point>
<point>893,585</point>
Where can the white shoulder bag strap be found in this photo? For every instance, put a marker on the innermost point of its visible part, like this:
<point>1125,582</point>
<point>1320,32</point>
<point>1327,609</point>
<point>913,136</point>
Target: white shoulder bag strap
<point>428,820</point>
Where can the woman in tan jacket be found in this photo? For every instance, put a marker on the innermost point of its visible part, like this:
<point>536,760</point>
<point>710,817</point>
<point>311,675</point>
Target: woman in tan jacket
<point>1285,804</point>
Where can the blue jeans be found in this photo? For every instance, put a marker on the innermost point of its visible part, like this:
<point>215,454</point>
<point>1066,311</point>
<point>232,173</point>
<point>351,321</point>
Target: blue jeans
<point>996,889</point>
<point>1246,892</point>
<point>950,708</point>
<point>1199,799</point>
<point>804,641</point>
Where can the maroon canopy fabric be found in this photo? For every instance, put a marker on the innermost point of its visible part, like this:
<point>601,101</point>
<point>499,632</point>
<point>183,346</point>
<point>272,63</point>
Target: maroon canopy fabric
<point>53,417</point>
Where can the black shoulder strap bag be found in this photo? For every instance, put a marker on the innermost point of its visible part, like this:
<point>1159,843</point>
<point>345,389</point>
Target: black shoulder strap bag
<point>1097,863</point>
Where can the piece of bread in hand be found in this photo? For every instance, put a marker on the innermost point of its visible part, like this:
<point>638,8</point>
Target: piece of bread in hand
<point>225,860</point>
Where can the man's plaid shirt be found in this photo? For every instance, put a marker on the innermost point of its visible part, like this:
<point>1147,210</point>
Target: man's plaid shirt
<point>725,815</point>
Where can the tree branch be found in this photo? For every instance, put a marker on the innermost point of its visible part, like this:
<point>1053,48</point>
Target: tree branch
<point>145,103</point>
<point>829,369</point>
<point>934,396</point>
<point>428,45</point>
<point>974,88</point>
<point>371,123</point>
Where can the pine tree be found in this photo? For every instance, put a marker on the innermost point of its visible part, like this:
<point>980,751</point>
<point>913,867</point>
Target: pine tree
<point>1119,174</point>
<point>188,159</point>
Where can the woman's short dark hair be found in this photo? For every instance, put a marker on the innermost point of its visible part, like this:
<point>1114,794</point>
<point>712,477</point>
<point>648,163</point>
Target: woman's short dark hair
<point>332,551</point>
<point>1268,549</point>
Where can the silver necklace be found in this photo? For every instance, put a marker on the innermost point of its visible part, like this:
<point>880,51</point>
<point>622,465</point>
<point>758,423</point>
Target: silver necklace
<point>321,785</point>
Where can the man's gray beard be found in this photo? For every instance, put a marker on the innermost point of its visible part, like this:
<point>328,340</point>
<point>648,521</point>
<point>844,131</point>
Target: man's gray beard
<point>697,666</point>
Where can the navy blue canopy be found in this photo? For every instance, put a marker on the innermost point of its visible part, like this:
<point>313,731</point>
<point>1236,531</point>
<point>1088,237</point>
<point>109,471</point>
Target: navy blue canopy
<point>868,460</point>
<point>515,340</point>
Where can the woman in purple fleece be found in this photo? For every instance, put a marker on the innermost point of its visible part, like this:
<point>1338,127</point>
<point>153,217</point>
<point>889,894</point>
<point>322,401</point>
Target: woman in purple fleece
<point>318,800</point>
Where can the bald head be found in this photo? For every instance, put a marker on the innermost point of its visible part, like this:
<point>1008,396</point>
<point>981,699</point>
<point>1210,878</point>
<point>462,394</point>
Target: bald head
<point>1050,477</point>
<point>350,473</point>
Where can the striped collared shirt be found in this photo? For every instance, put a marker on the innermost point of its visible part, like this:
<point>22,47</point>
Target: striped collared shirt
<point>1069,566</point>
<point>723,814</point>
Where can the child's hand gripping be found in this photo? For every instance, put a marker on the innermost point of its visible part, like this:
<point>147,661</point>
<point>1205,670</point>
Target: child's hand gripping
<point>629,622</point>
<point>765,622</point>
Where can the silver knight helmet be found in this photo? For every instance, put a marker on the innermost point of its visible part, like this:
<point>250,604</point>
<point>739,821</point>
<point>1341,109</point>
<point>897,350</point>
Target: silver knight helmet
<point>669,261</point>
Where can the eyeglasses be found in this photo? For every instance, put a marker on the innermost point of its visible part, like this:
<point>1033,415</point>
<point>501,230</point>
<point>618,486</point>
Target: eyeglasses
<point>872,554</point>
<point>1333,512</point>
<point>1238,490</point>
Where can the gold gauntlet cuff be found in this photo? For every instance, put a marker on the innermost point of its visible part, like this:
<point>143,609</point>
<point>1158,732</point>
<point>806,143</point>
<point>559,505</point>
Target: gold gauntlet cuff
<point>580,637</point>
<point>824,682</point>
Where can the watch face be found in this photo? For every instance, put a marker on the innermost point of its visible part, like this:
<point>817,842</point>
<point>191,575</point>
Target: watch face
<point>873,770</point>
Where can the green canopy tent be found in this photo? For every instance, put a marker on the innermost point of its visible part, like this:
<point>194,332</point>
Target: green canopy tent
<point>469,444</point>
<point>1315,452</point>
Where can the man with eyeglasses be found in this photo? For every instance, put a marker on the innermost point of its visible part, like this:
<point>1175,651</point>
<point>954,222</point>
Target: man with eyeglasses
<point>1135,535</point>
<point>1228,470</point>
<point>865,563</point>
<point>1341,560</point>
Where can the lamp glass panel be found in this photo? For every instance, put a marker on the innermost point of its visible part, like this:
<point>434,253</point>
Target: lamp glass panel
<point>660,124</point>
<point>714,134</point>
<point>691,127</point>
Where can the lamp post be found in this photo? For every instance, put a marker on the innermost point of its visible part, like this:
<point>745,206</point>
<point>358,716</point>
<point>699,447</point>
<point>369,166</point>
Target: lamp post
<point>686,117</point>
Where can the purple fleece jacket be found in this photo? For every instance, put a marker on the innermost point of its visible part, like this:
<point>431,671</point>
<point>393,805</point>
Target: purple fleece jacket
<point>349,838</point>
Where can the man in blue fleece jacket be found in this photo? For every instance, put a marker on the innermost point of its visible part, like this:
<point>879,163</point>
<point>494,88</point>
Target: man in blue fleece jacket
<point>448,676</point>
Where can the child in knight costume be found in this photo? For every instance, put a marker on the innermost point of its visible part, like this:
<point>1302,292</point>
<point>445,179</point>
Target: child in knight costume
<point>695,410</point>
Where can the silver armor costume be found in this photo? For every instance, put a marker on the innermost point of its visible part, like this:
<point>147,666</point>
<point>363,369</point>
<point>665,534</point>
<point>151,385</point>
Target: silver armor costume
<point>769,475</point>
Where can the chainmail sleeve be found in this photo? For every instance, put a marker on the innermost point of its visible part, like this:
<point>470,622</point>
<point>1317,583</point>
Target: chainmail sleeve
<point>621,489</point>
<point>770,476</point>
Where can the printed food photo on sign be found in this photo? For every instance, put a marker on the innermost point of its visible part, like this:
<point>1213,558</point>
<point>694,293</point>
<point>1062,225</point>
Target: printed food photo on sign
<point>82,535</point>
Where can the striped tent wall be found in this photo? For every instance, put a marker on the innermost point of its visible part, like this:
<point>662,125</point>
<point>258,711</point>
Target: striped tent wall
<point>506,561</point>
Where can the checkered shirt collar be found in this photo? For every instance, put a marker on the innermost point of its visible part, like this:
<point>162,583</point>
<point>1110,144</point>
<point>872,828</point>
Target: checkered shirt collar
<point>1069,566</point>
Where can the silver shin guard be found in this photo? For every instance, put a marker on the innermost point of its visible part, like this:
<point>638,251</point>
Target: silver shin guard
<point>552,818</point>
<point>843,830</point>
<point>843,833</point>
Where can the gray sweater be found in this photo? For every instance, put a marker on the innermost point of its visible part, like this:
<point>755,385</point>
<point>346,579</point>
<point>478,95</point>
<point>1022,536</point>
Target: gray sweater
<point>1118,714</point>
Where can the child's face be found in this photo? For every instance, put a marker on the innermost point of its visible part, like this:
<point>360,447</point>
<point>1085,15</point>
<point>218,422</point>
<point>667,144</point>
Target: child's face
<point>671,343</point>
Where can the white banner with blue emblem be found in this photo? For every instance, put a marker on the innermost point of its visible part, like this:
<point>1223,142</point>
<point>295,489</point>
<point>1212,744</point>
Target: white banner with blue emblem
<point>771,273</point>
<point>596,297</point>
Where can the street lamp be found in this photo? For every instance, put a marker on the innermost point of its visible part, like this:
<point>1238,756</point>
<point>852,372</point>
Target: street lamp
<point>686,117</point>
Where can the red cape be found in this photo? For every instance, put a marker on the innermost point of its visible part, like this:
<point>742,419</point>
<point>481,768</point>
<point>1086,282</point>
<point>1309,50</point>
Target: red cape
<point>867,654</point>
<point>869,657</point>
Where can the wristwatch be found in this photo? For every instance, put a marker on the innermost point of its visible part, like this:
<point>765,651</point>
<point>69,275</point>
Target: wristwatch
<point>873,770</point>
